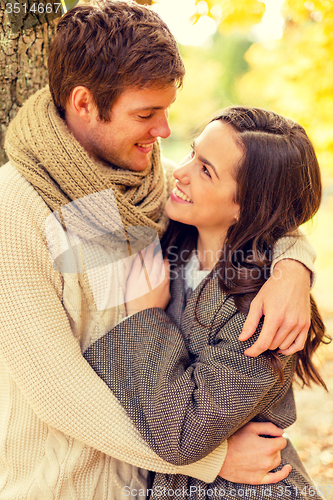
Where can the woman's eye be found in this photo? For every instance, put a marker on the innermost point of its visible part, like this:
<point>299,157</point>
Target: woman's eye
<point>206,171</point>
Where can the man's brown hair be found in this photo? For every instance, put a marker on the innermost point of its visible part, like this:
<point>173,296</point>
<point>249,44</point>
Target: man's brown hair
<point>108,46</point>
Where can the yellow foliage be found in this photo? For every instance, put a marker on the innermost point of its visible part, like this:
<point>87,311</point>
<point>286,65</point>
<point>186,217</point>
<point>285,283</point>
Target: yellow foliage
<point>300,11</point>
<point>195,102</point>
<point>293,76</point>
<point>237,15</point>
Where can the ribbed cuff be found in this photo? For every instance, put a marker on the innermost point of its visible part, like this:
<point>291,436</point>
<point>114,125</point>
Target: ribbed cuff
<point>297,248</point>
<point>208,467</point>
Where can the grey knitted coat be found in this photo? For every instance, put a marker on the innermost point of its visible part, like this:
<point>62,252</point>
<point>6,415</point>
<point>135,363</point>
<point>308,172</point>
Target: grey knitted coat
<point>183,378</point>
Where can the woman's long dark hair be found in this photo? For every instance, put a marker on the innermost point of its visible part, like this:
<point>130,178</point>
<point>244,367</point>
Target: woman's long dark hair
<point>278,189</point>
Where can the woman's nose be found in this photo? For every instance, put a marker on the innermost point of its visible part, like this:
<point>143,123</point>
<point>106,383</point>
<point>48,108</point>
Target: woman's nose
<point>182,173</point>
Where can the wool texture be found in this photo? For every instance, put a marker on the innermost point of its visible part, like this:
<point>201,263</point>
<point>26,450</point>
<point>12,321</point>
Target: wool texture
<point>63,434</point>
<point>69,438</point>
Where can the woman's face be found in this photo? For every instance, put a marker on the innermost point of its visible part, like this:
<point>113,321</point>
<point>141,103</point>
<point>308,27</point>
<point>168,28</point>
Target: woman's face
<point>205,186</point>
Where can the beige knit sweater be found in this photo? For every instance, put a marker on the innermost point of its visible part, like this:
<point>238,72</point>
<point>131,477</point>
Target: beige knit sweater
<point>59,423</point>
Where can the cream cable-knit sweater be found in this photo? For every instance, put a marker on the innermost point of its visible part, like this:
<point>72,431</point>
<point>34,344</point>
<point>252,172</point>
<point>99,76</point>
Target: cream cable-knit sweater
<point>59,424</point>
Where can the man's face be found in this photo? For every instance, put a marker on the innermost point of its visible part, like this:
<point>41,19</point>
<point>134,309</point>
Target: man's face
<point>138,118</point>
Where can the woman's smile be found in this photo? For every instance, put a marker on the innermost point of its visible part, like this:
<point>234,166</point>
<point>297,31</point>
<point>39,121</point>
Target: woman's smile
<point>179,196</point>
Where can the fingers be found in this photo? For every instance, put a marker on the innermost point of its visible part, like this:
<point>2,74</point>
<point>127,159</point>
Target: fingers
<point>159,269</point>
<point>148,257</point>
<point>136,269</point>
<point>275,477</point>
<point>155,270</point>
<point>286,335</point>
<point>269,447</point>
<point>289,331</point>
<point>147,273</point>
<point>252,320</point>
<point>251,456</point>
<point>271,337</point>
<point>265,339</point>
<point>264,429</point>
<point>166,268</point>
<point>136,281</point>
<point>297,345</point>
<point>278,444</point>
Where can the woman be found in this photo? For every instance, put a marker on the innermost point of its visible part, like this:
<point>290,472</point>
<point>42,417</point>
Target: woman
<point>251,178</point>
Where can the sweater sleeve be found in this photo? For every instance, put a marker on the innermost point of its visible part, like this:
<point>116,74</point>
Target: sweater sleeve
<point>42,355</point>
<point>186,406</point>
<point>296,247</point>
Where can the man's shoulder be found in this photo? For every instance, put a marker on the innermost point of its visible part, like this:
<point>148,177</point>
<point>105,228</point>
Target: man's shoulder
<point>9,175</point>
<point>7,171</point>
<point>16,193</point>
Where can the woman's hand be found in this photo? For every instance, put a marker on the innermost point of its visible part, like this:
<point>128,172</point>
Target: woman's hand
<point>148,283</point>
<point>250,456</point>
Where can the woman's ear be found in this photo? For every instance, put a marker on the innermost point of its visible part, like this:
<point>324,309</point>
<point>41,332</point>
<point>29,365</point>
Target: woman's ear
<point>237,215</point>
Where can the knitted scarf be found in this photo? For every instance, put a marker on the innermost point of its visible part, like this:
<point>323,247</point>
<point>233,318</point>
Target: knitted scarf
<point>40,145</point>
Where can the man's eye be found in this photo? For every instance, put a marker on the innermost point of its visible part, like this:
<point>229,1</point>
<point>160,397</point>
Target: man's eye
<point>145,117</point>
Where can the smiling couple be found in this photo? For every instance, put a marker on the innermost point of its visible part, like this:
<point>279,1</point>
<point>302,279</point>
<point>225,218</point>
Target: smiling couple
<point>195,382</point>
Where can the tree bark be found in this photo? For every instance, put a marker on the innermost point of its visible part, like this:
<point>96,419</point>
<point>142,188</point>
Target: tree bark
<point>25,37</point>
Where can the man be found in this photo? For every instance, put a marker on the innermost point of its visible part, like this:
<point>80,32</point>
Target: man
<point>76,151</point>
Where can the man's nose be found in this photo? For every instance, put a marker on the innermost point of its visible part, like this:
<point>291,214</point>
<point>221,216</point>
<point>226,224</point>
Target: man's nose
<point>162,128</point>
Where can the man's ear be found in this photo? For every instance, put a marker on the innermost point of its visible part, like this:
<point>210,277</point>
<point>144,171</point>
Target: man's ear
<point>81,103</point>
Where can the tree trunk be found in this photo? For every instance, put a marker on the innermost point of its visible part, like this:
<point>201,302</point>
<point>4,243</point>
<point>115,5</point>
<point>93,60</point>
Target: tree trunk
<point>25,37</point>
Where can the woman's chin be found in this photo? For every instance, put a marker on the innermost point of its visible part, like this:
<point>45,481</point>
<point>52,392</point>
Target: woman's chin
<point>173,214</point>
<point>170,210</point>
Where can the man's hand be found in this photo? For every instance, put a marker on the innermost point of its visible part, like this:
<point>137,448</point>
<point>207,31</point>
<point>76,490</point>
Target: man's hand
<point>148,283</point>
<point>284,300</point>
<point>250,457</point>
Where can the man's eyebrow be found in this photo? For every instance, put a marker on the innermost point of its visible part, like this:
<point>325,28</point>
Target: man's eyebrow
<point>148,108</point>
<point>206,162</point>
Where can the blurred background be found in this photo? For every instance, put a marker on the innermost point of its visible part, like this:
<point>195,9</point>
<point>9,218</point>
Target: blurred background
<point>276,54</point>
